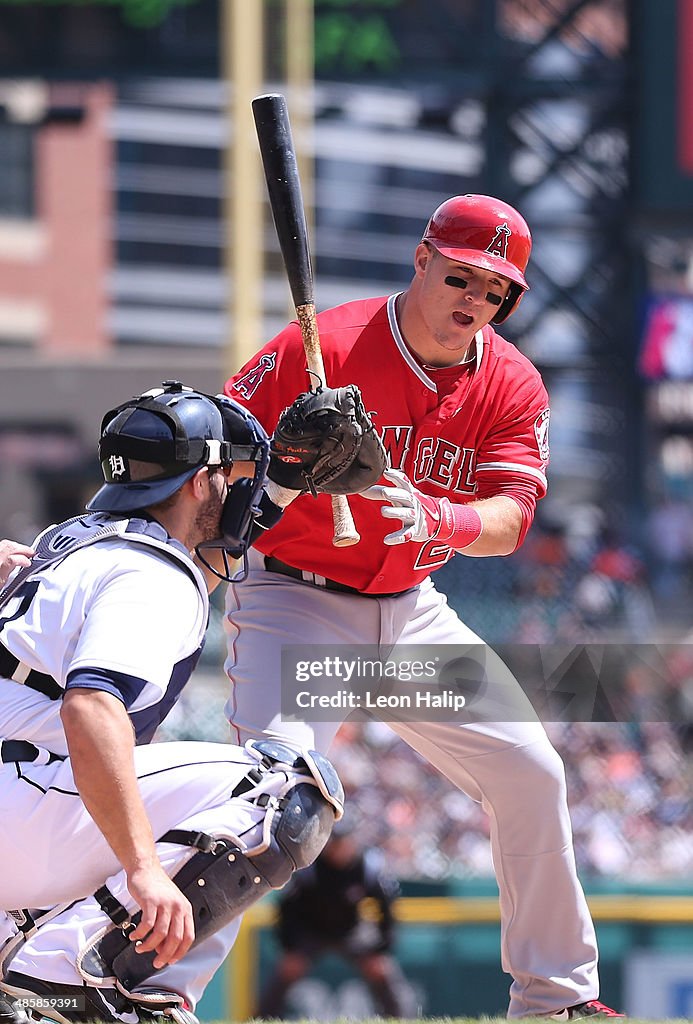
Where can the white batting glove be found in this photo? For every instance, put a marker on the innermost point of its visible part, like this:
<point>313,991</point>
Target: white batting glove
<point>423,516</point>
<point>418,522</point>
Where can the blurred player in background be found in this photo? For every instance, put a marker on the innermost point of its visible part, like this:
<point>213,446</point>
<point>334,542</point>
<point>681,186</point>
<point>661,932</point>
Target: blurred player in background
<point>322,911</point>
<point>464,418</point>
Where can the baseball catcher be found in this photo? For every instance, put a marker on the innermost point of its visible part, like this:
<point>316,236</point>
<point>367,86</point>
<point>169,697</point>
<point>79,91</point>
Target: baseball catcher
<point>125,855</point>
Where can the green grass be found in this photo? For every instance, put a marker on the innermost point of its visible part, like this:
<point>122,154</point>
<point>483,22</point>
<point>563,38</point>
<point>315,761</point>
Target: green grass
<point>461,1020</point>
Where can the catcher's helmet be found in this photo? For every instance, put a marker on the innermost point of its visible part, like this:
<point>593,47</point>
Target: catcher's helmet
<point>487,233</point>
<point>152,444</point>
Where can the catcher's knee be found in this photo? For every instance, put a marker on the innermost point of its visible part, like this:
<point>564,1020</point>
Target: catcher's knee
<point>300,814</point>
<point>221,880</point>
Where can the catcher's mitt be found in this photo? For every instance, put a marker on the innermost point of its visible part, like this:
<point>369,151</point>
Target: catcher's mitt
<point>325,441</point>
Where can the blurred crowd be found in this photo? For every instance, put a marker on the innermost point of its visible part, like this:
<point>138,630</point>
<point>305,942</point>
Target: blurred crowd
<point>577,589</point>
<point>630,781</point>
<point>629,793</point>
<point>584,579</point>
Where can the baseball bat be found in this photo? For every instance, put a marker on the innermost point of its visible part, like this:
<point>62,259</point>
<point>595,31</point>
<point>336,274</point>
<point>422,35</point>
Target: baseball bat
<point>286,202</point>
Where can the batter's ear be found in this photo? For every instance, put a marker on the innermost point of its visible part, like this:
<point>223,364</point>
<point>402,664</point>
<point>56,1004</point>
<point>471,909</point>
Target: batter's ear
<point>422,257</point>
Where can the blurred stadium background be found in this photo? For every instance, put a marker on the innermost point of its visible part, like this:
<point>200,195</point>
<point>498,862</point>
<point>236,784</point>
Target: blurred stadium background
<point>135,245</point>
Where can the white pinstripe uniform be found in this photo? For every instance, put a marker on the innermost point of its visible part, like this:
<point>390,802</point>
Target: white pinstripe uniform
<point>126,614</point>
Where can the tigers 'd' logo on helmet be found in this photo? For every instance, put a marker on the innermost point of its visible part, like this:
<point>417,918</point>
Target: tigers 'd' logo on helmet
<point>118,467</point>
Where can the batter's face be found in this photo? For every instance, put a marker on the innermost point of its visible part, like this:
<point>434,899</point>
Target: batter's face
<point>453,301</point>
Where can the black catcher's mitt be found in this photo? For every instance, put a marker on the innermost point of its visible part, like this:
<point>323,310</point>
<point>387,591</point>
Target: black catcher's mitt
<point>325,441</point>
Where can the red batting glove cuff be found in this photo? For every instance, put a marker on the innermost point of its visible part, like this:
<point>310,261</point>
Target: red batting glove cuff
<point>460,525</point>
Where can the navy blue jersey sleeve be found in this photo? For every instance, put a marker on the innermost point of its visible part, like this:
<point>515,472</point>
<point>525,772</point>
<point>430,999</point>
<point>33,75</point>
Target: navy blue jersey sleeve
<point>125,687</point>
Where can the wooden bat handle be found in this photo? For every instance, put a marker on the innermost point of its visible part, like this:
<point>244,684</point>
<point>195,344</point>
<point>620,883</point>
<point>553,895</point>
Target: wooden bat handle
<point>345,532</point>
<point>284,190</point>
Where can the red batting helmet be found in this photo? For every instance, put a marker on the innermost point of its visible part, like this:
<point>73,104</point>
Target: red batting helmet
<point>487,233</point>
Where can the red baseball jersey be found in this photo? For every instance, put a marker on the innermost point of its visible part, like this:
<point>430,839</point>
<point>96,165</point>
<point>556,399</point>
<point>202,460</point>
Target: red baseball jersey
<point>468,431</point>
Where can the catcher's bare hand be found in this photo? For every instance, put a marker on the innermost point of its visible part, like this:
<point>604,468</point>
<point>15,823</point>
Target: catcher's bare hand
<point>13,556</point>
<point>325,441</point>
<point>167,924</point>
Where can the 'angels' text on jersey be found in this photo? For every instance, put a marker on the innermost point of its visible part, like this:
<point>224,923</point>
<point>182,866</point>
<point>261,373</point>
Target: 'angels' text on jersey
<point>436,460</point>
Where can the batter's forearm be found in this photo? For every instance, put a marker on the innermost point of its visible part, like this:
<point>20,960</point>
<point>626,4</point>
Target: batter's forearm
<point>490,526</point>
<point>501,521</point>
<point>100,742</point>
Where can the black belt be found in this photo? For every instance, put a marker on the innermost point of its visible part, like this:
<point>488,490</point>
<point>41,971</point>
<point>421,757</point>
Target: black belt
<point>275,565</point>
<point>12,668</point>
<point>22,750</point>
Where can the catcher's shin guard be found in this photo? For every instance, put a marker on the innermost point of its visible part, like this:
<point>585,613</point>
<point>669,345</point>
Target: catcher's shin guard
<point>221,880</point>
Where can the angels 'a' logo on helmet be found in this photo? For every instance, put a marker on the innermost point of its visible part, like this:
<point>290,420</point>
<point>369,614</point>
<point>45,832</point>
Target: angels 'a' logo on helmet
<point>499,243</point>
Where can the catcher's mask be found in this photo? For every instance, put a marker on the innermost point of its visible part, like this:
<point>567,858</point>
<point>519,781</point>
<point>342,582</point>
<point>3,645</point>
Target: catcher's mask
<point>152,444</point>
<point>487,233</point>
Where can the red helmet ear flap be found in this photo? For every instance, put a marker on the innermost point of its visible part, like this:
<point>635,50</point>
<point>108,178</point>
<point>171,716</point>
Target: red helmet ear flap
<point>509,304</point>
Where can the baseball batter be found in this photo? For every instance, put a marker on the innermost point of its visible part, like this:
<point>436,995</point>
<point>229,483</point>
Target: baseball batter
<point>464,417</point>
<point>136,860</point>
